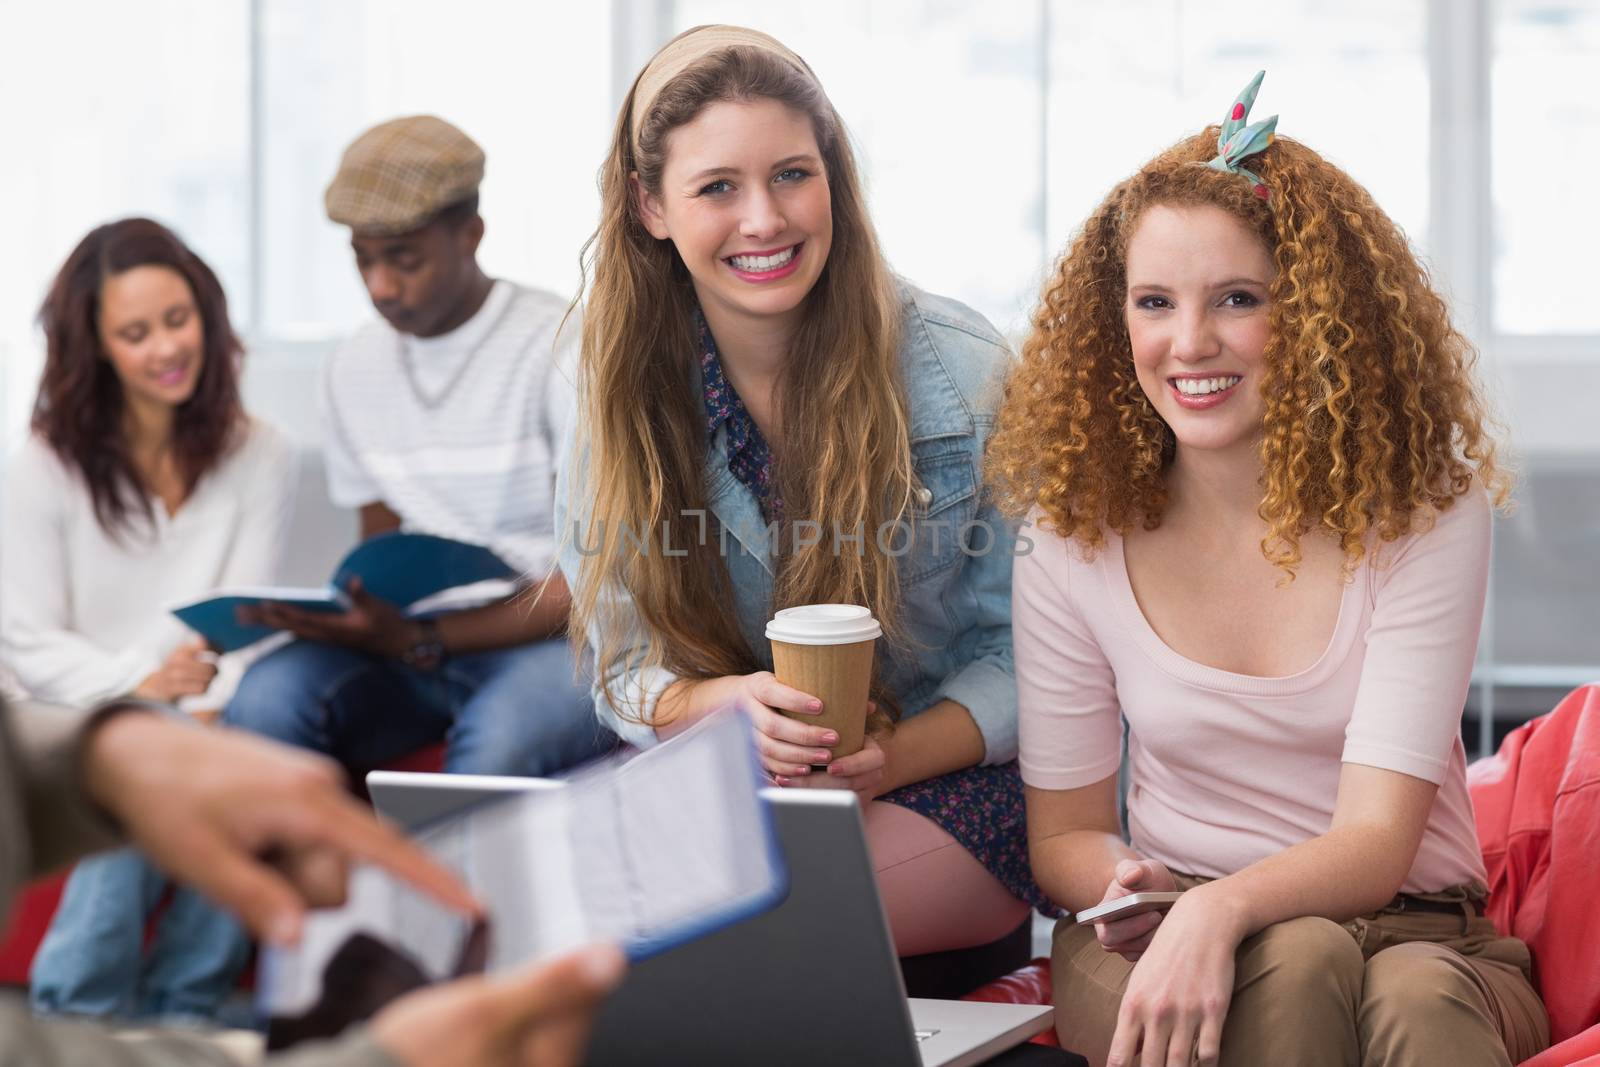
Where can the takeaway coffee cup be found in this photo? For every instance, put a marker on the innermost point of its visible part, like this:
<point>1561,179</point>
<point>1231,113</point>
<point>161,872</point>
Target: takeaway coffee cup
<point>826,650</point>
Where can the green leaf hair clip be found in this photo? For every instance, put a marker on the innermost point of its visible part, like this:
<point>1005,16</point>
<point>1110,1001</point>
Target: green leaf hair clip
<point>1237,141</point>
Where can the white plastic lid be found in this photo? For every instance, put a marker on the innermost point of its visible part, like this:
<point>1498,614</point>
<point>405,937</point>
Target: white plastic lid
<point>824,624</point>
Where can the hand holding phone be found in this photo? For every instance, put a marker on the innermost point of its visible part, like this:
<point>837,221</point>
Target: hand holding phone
<point>1128,932</point>
<point>1127,907</point>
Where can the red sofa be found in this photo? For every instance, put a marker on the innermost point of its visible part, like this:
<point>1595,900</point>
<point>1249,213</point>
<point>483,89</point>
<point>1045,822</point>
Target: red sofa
<point>1538,810</point>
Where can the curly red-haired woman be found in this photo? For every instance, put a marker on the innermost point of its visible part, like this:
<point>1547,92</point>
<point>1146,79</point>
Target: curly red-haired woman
<point>1259,463</point>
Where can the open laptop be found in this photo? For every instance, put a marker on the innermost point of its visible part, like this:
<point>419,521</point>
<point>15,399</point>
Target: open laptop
<point>813,981</point>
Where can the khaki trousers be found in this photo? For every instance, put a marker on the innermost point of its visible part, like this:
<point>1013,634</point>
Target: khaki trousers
<point>1393,989</point>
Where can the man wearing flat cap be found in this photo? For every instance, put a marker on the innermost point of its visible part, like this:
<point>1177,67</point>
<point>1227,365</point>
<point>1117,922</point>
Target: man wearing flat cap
<point>443,417</point>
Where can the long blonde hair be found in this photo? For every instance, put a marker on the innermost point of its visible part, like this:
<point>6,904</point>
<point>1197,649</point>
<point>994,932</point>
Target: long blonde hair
<point>845,457</point>
<point>1374,418</point>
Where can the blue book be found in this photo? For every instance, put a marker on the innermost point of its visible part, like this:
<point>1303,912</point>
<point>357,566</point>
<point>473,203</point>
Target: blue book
<point>401,568</point>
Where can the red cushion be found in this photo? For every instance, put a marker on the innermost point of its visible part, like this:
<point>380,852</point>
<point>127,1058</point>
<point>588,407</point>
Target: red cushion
<point>26,925</point>
<point>428,760</point>
<point>1026,985</point>
<point>1537,803</point>
<point>1580,1051</point>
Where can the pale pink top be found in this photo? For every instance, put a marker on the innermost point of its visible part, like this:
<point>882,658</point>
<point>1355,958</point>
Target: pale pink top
<point>1227,769</point>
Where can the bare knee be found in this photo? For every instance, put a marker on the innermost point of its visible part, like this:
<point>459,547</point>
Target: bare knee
<point>936,893</point>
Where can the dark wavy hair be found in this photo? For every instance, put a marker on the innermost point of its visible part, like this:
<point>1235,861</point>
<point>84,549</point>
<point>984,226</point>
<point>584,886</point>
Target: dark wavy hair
<point>78,412</point>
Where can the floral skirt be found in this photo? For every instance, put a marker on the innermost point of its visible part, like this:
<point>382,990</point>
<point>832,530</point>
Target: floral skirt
<point>982,808</point>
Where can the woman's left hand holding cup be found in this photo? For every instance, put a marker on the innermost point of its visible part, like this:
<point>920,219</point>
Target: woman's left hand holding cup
<point>862,772</point>
<point>788,747</point>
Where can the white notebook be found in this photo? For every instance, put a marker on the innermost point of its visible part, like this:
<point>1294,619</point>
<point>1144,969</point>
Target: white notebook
<point>648,853</point>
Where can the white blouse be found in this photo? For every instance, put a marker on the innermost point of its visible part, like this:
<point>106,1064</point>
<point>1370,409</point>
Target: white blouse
<point>83,615</point>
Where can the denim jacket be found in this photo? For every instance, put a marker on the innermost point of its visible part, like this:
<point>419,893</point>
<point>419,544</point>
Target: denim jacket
<point>954,567</point>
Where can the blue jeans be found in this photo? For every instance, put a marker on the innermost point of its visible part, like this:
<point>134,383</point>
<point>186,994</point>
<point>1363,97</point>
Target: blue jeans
<point>518,710</point>
<point>92,961</point>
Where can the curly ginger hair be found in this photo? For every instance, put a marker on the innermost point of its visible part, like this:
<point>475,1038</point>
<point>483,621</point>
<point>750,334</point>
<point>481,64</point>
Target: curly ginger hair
<point>1373,422</point>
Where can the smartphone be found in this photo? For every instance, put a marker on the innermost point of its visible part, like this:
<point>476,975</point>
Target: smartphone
<point>1124,907</point>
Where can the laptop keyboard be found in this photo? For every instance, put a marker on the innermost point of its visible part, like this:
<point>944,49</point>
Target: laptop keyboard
<point>923,1035</point>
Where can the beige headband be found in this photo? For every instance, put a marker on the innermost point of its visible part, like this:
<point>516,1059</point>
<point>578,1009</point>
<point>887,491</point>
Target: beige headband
<point>684,50</point>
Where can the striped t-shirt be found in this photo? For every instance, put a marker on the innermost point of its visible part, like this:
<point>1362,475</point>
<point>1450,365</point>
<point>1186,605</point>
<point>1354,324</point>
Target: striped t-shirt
<point>458,434</point>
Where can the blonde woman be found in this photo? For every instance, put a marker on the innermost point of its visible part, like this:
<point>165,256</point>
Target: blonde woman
<point>771,418</point>
<point>1260,458</point>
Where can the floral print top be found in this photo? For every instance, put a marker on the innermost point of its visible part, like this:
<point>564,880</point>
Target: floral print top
<point>749,456</point>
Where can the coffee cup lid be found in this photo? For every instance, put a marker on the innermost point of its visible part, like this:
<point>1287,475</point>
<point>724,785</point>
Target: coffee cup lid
<point>823,624</point>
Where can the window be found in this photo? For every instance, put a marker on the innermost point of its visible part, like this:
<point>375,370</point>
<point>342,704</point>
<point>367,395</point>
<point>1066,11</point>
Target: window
<point>943,104</point>
<point>955,142</point>
<point>528,82</point>
<point>1543,347</point>
<point>112,110</point>
<point>1545,118</point>
<point>1128,79</point>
